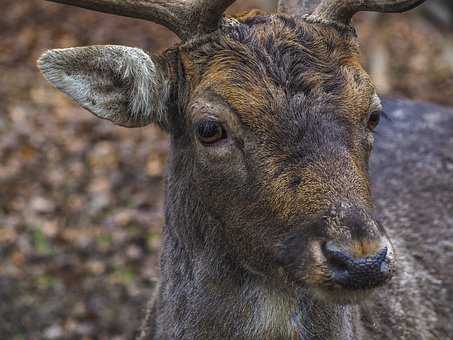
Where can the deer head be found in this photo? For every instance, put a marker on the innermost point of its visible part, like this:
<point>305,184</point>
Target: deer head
<point>271,119</point>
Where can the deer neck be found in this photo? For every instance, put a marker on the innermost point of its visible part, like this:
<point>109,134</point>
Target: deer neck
<point>207,299</point>
<point>205,294</point>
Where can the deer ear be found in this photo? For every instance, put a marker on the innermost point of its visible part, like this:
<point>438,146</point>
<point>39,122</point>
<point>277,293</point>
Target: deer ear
<point>117,83</point>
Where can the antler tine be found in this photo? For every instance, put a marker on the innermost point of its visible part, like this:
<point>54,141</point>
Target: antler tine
<point>185,18</point>
<point>297,7</point>
<point>341,11</point>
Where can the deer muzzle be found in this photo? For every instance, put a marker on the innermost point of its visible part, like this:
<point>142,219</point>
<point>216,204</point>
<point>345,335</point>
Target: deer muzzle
<point>344,252</point>
<point>356,273</point>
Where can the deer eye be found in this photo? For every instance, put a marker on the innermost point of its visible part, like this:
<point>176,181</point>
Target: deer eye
<point>374,119</point>
<point>210,131</point>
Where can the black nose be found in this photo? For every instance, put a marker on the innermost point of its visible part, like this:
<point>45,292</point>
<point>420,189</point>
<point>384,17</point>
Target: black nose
<point>357,273</point>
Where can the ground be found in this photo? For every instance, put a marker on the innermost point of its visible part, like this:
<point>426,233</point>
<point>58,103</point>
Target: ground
<point>81,200</point>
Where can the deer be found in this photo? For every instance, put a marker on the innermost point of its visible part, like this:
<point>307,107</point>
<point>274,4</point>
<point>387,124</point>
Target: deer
<point>273,229</point>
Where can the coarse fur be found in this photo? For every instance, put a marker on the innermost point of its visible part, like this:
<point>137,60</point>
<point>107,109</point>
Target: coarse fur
<point>249,218</point>
<point>208,291</point>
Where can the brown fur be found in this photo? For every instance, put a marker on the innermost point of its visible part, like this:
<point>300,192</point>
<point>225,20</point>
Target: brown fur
<point>275,83</point>
<point>270,230</point>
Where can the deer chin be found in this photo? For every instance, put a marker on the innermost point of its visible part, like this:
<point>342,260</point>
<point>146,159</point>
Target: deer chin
<point>341,296</point>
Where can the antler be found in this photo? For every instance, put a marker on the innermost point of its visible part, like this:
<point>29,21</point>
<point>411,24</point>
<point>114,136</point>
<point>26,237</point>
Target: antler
<point>297,7</point>
<point>341,11</point>
<point>185,18</point>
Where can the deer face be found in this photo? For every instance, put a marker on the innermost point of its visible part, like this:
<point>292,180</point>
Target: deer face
<point>272,119</point>
<point>279,125</point>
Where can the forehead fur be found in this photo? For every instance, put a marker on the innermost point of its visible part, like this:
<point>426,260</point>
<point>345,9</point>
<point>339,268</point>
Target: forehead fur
<point>300,89</point>
<point>274,66</point>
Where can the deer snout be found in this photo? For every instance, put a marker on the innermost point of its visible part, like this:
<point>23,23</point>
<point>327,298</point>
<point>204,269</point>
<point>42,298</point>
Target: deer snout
<point>354,273</point>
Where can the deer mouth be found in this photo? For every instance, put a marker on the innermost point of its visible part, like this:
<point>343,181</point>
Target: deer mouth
<point>339,276</point>
<point>342,272</point>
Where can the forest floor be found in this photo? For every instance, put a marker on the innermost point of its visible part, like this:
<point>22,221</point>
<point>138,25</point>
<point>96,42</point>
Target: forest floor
<point>81,200</point>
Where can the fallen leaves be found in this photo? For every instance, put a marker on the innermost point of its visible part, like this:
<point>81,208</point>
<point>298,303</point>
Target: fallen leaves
<point>81,201</point>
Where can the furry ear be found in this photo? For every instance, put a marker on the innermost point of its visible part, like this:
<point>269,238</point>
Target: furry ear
<point>117,83</point>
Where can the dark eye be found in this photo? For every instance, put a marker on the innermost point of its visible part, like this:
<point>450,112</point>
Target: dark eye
<point>210,131</point>
<point>374,119</point>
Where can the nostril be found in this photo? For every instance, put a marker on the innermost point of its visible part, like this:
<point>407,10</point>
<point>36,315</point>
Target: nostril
<point>333,253</point>
<point>337,258</point>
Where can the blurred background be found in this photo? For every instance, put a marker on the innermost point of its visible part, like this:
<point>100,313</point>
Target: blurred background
<point>81,199</point>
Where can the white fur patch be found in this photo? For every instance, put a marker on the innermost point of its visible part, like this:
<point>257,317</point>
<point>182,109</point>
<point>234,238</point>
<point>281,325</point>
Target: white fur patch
<point>273,316</point>
<point>118,83</point>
